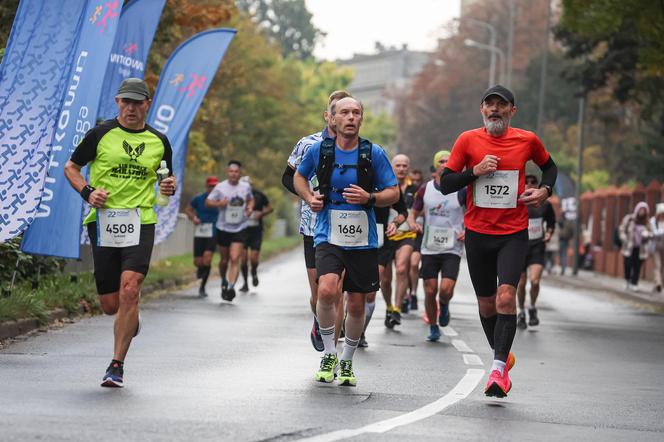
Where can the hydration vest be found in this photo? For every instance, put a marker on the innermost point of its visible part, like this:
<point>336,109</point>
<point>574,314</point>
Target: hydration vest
<point>326,164</point>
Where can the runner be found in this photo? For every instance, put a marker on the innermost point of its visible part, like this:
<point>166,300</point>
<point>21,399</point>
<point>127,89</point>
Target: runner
<point>398,245</point>
<point>353,176</point>
<point>254,237</point>
<point>491,161</point>
<point>204,219</point>
<point>235,202</point>
<point>541,225</point>
<point>308,218</point>
<point>442,245</point>
<point>124,155</point>
<point>416,256</point>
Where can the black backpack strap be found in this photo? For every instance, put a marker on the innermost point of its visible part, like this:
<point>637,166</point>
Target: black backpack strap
<point>325,167</point>
<point>365,172</point>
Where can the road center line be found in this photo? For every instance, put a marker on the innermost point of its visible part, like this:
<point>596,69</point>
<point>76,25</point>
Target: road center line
<point>449,331</point>
<point>465,386</point>
<point>472,359</point>
<point>461,346</point>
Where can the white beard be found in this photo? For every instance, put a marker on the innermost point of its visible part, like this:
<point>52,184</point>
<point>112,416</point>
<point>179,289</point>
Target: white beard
<point>496,128</point>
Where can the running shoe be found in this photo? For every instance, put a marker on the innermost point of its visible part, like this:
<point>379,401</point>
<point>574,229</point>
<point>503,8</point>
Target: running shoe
<point>113,376</point>
<point>498,385</point>
<point>346,375</point>
<point>329,364</point>
<point>201,292</point>
<point>363,342</point>
<point>388,318</point>
<point>405,305</point>
<point>521,320</point>
<point>244,288</point>
<point>434,333</point>
<point>511,360</point>
<point>395,318</point>
<point>224,284</point>
<point>532,316</point>
<point>444,314</point>
<point>413,302</point>
<point>254,279</point>
<point>228,294</point>
<point>316,338</point>
<point>138,326</point>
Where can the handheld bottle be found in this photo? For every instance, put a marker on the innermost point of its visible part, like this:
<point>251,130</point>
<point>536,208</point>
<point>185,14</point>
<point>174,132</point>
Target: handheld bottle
<point>162,174</point>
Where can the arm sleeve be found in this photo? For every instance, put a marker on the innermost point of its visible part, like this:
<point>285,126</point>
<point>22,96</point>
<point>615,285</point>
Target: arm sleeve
<point>451,181</point>
<point>287,179</point>
<point>168,154</point>
<point>418,202</point>
<point>461,196</point>
<point>549,173</point>
<point>86,150</point>
<point>550,218</point>
<point>400,206</point>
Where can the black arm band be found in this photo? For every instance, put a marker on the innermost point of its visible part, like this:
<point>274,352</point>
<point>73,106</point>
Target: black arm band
<point>549,173</point>
<point>287,179</point>
<point>86,191</point>
<point>451,181</point>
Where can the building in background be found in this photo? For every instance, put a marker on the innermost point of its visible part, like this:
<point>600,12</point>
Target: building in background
<point>380,75</point>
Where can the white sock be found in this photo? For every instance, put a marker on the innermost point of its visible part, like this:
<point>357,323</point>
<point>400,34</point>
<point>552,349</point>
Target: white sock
<point>498,365</point>
<point>350,346</point>
<point>328,340</point>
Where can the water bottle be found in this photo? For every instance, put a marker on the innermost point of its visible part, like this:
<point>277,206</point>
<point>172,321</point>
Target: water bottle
<point>162,174</point>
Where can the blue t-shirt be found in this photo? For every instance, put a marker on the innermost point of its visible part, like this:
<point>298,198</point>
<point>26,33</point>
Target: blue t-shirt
<point>205,214</point>
<point>383,177</point>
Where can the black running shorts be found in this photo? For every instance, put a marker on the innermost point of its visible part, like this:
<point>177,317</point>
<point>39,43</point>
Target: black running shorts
<point>418,243</point>
<point>536,254</point>
<point>254,238</point>
<point>110,262</point>
<point>309,252</point>
<point>387,253</point>
<point>224,239</point>
<point>447,264</point>
<point>361,266</point>
<point>495,257</point>
<point>202,245</point>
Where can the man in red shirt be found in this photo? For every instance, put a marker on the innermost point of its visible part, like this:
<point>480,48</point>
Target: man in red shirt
<point>491,162</point>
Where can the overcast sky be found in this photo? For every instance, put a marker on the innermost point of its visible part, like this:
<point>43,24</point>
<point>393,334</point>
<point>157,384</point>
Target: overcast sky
<point>353,26</point>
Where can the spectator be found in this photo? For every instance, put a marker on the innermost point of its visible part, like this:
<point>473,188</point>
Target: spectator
<point>635,232</point>
<point>657,225</point>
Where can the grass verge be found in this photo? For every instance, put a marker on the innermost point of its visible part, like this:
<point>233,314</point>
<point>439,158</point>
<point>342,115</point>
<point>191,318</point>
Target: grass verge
<point>59,291</point>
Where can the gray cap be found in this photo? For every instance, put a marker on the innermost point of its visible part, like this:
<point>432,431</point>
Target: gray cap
<point>500,91</point>
<point>134,89</point>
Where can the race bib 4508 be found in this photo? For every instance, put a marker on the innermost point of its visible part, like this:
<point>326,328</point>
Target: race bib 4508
<point>118,227</point>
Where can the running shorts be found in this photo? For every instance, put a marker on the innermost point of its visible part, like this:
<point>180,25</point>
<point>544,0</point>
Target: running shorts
<point>495,257</point>
<point>110,262</point>
<point>361,266</point>
<point>254,238</point>
<point>202,245</point>
<point>447,264</point>
<point>387,253</point>
<point>309,252</point>
<point>536,254</point>
<point>224,239</point>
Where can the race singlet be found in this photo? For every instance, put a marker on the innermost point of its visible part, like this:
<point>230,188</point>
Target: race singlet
<point>535,228</point>
<point>118,227</point>
<point>349,228</point>
<point>497,190</point>
<point>234,214</point>
<point>204,230</point>
<point>439,239</point>
<point>380,232</point>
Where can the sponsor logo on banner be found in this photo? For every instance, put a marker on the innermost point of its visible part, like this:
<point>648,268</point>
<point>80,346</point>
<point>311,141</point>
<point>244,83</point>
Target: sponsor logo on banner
<point>107,13</point>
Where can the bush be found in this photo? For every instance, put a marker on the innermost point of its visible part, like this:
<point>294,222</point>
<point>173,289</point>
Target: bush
<point>27,266</point>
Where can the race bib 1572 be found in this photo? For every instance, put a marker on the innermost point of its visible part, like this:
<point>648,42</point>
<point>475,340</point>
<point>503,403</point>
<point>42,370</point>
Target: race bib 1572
<point>497,190</point>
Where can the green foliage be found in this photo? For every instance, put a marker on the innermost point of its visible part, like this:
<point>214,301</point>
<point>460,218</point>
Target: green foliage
<point>380,129</point>
<point>26,266</point>
<point>286,22</point>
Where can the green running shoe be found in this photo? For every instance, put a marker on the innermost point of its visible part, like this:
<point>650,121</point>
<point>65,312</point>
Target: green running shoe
<point>328,368</point>
<point>346,375</point>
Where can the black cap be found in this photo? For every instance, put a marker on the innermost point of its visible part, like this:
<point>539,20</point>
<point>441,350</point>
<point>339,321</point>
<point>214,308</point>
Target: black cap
<point>501,91</point>
<point>134,89</point>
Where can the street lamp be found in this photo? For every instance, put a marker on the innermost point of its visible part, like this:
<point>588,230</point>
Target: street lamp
<point>494,50</point>
<point>492,42</point>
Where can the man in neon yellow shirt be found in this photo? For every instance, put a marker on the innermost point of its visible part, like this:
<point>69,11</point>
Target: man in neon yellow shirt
<point>124,154</point>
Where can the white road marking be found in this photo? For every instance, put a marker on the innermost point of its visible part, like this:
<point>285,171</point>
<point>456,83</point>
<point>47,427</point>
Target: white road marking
<point>472,359</point>
<point>461,346</point>
<point>465,386</point>
<point>449,331</point>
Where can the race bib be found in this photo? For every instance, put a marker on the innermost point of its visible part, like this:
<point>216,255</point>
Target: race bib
<point>380,232</point>
<point>439,238</point>
<point>497,190</point>
<point>118,227</point>
<point>349,228</point>
<point>234,214</point>
<point>253,221</point>
<point>535,228</point>
<point>204,230</point>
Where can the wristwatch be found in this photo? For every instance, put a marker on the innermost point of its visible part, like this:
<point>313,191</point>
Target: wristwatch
<point>548,189</point>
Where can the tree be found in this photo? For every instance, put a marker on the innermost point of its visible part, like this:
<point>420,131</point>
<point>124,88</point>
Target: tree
<point>286,22</point>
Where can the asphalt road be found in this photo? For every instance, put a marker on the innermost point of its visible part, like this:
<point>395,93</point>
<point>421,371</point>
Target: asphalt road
<point>210,370</point>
